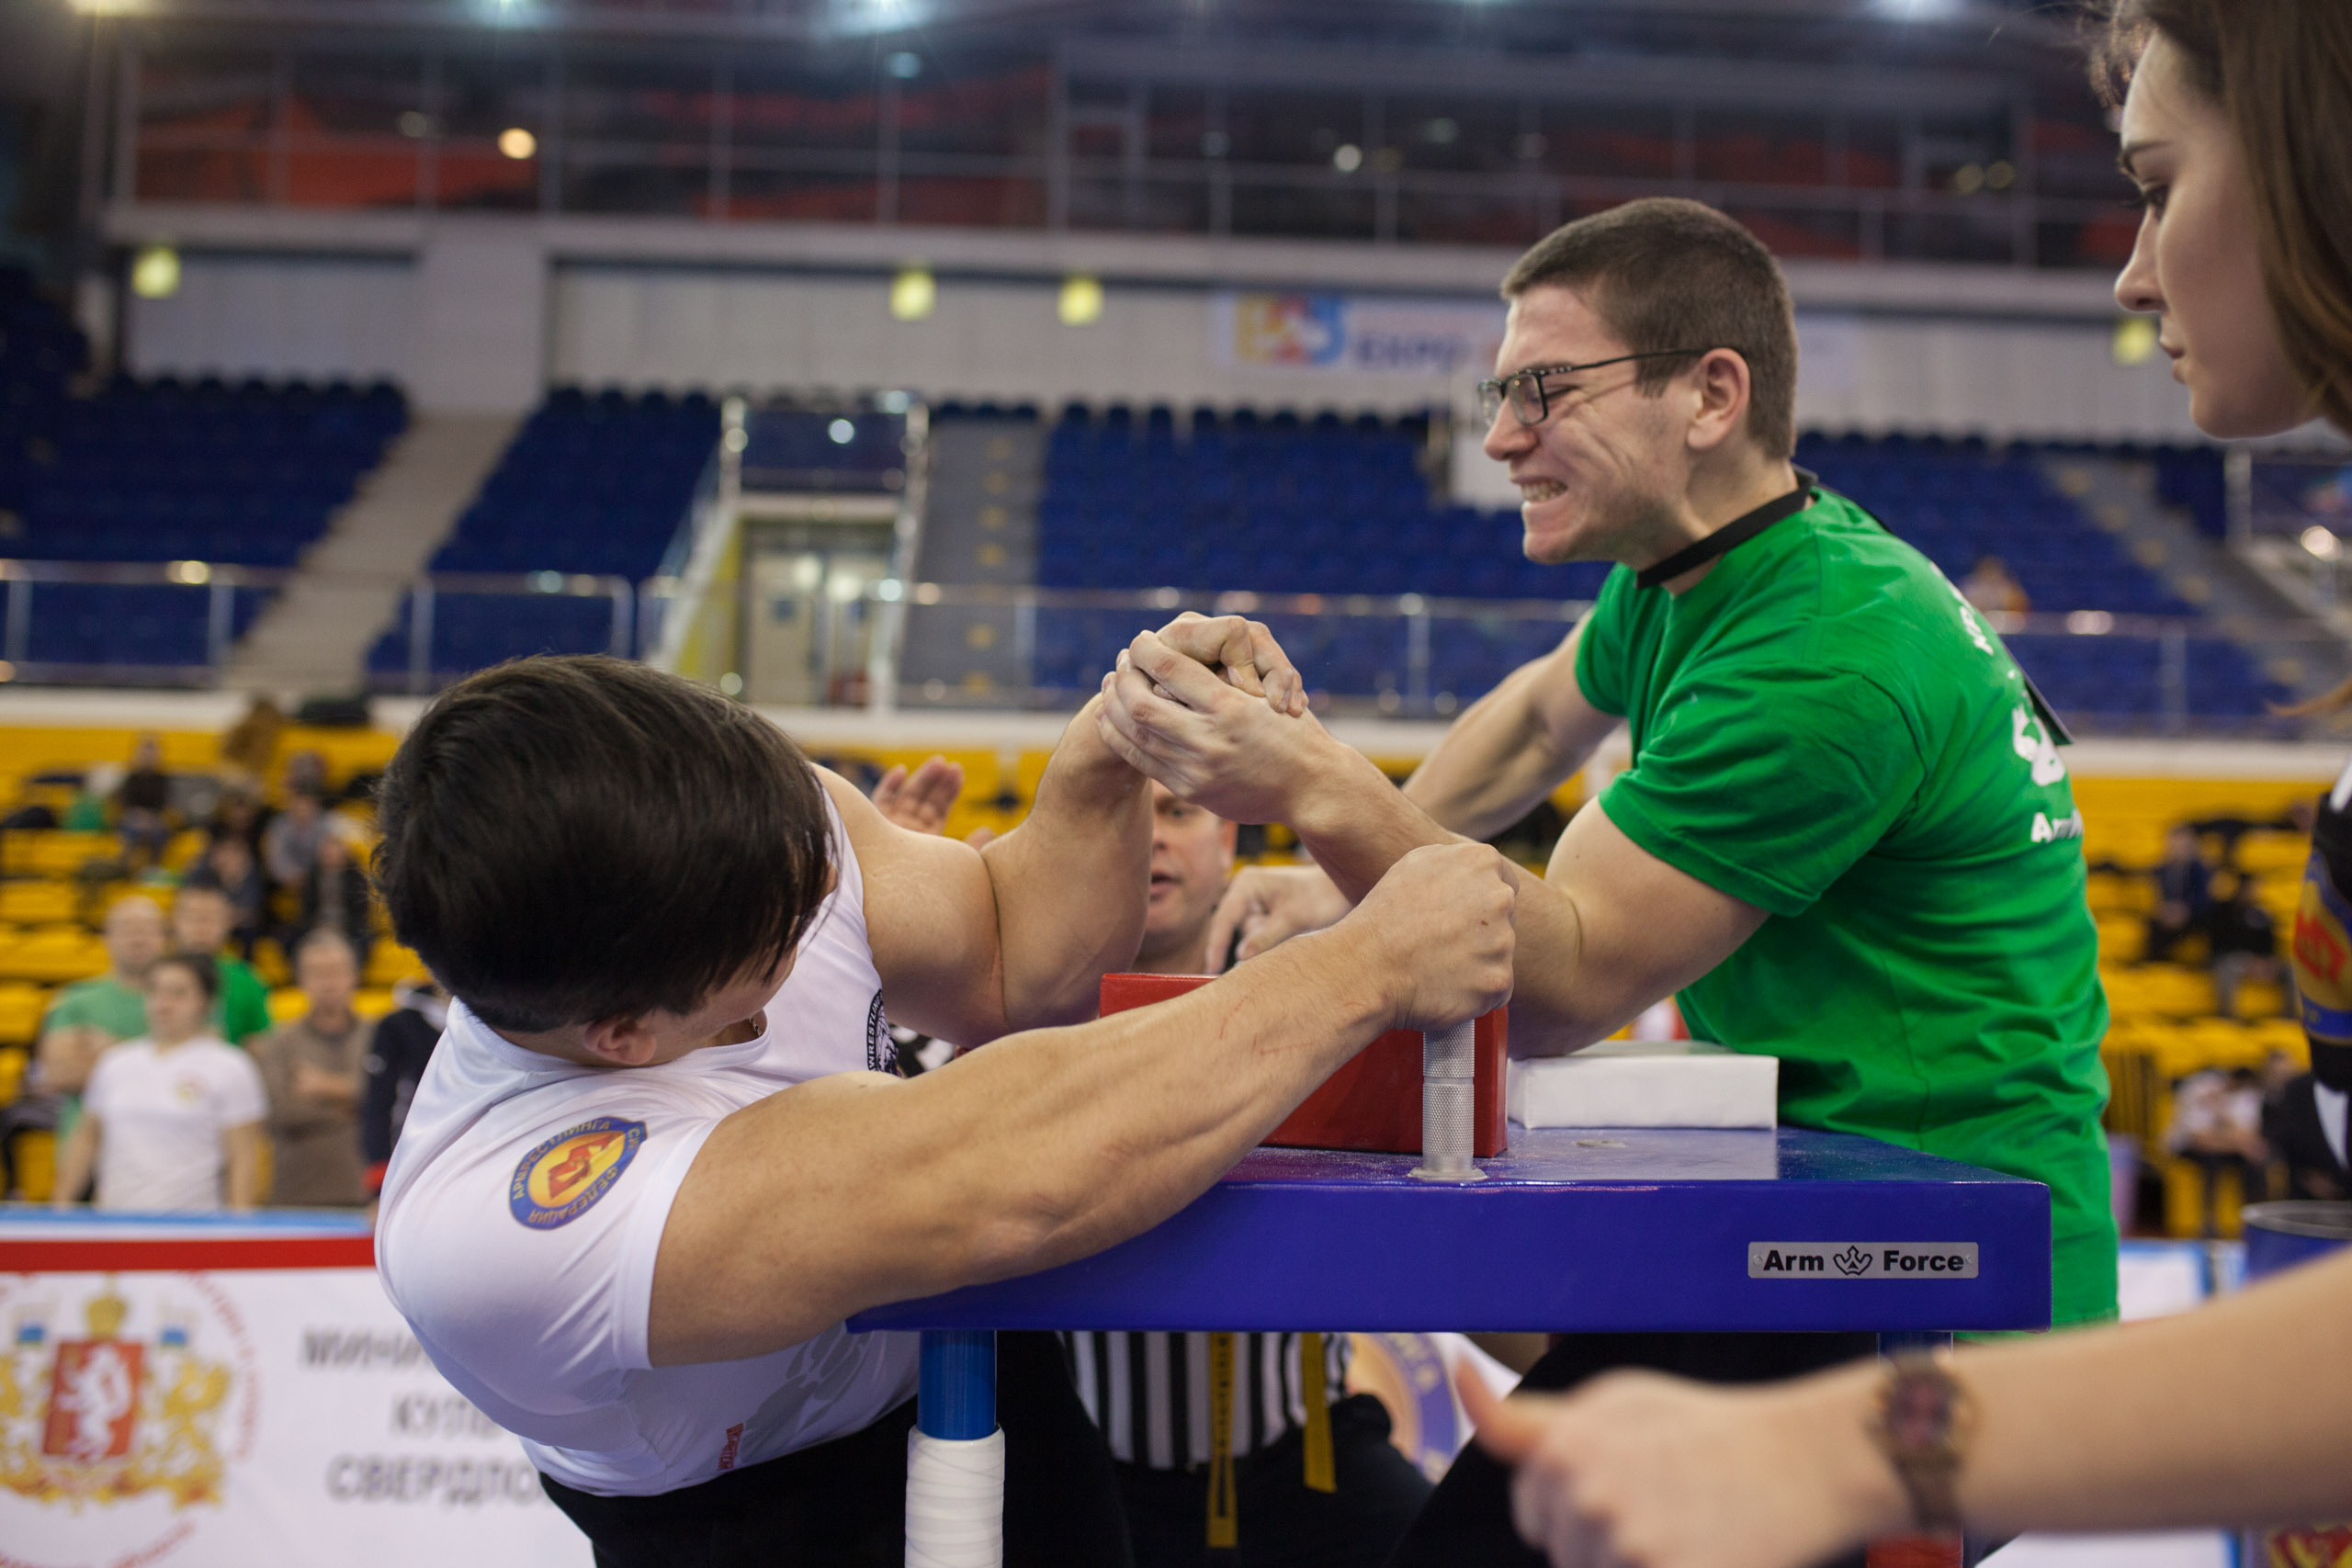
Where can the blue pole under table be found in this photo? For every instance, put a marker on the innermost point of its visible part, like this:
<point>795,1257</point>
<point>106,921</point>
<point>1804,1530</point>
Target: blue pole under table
<point>956,1391</point>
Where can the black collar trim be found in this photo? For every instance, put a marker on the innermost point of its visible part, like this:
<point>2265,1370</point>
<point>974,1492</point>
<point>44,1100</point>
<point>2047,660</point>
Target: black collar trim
<point>1732,535</point>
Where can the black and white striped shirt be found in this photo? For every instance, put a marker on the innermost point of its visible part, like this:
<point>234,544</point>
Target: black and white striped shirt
<point>1149,1392</point>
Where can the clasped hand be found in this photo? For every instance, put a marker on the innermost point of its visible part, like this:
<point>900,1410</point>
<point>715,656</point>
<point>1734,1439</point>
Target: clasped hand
<point>1212,709</point>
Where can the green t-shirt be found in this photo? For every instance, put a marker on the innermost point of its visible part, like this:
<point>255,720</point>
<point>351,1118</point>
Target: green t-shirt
<point>114,1007</point>
<point>1824,729</point>
<point>243,1011</point>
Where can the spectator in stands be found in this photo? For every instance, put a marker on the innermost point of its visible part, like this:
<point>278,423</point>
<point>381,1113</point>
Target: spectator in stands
<point>2217,1126</point>
<point>313,1069</point>
<point>1280,1517</point>
<point>172,1121</point>
<point>2303,1121</point>
<point>2184,892</point>
<point>2244,940</point>
<point>306,774</point>
<point>229,865</point>
<point>403,1045</point>
<point>249,748</point>
<point>90,1015</point>
<point>2236,112</point>
<point>1991,588</point>
<point>239,814</point>
<point>289,844</point>
<point>143,803</point>
<point>202,919</point>
<point>335,898</point>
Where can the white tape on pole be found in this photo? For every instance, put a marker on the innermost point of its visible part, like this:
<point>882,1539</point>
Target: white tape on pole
<point>955,1501</point>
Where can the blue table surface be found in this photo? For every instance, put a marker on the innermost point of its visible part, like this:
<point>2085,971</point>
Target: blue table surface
<point>1619,1230</point>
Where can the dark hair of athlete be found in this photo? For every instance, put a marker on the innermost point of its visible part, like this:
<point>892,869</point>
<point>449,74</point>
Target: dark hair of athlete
<point>571,841</point>
<point>1667,274</point>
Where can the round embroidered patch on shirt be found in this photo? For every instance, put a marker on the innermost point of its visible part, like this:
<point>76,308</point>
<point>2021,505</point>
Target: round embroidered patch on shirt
<point>562,1179</point>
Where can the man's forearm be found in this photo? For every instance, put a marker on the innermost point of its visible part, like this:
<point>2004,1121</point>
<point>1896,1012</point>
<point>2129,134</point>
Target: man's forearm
<point>1495,764</point>
<point>1071,881</point>
<point>1357,827</point>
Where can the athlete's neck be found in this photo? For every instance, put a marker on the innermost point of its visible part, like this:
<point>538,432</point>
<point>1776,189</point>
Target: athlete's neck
<point>1179,952</point>
<point>1719,494</point>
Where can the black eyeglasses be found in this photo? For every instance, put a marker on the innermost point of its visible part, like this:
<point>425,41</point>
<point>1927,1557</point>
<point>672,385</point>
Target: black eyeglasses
<point>1531,403</point>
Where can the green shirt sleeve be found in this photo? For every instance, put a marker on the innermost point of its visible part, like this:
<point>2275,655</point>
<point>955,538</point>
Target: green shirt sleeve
<point>1768,782</point>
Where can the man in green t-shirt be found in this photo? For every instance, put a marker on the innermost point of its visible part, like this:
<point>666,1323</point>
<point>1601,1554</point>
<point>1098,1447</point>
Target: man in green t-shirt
<point>87,1016</point>
<point>1846,838</point>
<point>201,919</point>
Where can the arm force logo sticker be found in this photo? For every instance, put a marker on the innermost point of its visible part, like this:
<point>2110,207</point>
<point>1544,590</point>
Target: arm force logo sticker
<point>562,1179</point>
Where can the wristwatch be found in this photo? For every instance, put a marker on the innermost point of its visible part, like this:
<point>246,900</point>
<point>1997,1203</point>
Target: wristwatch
<point>1925,1420</point>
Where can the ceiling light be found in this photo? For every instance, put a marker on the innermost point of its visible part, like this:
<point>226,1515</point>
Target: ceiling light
<point>842,432</point>
<point>2322,543</point>
<point>517,143</point>
<point>905,65</point>
<point>912,294</point>
<point>1347,157</point>
<point>2135,340</point>
<point>1082,301</point>
<point>155,273</point>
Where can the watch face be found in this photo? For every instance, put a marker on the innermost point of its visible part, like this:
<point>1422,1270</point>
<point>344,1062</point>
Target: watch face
<point>1919,1412</point>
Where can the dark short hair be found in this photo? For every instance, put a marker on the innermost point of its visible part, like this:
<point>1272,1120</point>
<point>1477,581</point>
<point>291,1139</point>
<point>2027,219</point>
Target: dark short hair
<point>1666,273</point>
<point>200,966</point>
<point>567,840</point>
<point>323,936</point>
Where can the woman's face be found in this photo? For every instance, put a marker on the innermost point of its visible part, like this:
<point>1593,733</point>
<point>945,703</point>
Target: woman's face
<point>2196,263</point>
<point>177,1008</point>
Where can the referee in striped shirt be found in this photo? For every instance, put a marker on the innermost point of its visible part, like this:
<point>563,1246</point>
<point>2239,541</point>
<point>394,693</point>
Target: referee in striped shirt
<point>1313,1479</point>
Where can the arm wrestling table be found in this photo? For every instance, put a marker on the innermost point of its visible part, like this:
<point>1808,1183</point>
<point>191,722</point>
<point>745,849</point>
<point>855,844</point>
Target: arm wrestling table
<point>1571,1231</point>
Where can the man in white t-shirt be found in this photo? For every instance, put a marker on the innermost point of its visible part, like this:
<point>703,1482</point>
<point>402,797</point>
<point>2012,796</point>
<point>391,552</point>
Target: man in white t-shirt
<point>660,1155</point>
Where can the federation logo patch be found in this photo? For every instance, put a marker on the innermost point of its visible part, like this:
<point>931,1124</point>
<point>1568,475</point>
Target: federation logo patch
<point>562,1179</point>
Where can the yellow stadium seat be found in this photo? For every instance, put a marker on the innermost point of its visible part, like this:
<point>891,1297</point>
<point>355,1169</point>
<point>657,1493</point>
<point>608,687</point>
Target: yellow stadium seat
<point>2264,854</point>
<point>2168,990</point>
<point>55,854</point>
<point>21,1007</point>
<point>372,1003</point>
<point>34,1154</point>
<point>53,954</point>
<point>389,963</point>
<point>2112,894</point>
<point>2121,938</point>
<point>14,1059</point>
<point>38,903</point>
<point>287,1004</point>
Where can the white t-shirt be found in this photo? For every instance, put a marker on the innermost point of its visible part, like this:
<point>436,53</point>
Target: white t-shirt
<point>525,1204</point>
<point>161,1115</point>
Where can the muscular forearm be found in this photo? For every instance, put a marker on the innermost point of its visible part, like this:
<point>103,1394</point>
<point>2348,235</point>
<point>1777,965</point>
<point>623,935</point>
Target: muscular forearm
<point>1042,1148</point>
<point>1496,763</point>
<point>1058,931</point>
<point>1356,827</point>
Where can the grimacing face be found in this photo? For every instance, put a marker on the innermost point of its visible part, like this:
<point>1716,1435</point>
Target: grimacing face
<point>1606,459</point>
<point>2196,265</point>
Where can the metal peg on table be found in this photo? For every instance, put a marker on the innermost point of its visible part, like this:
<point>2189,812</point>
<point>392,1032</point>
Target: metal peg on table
<point>1449,1104</point>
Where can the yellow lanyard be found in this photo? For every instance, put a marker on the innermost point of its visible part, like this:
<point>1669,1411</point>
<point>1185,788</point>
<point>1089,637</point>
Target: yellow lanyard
<point>1321,1475</point>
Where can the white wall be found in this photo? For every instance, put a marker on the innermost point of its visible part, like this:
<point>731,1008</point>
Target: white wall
<point>1874,372</point>
<point>476,312</point>
<point>315,317</point>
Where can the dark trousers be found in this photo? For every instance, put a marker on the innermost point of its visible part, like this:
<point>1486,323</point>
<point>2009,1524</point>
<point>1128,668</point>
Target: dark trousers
<point>1280,1523</point>
<point>843,1504</point>
<point>1467,1521</point>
